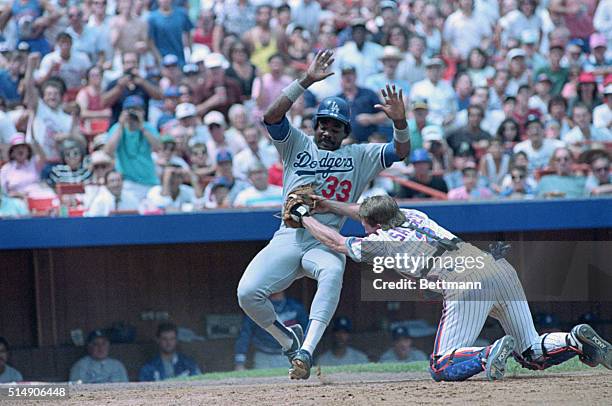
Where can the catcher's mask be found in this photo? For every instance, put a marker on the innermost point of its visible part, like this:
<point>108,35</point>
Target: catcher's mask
<point>336,108</point>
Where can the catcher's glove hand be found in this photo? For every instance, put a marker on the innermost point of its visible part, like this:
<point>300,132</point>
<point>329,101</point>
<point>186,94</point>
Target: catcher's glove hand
<point>298,204</point>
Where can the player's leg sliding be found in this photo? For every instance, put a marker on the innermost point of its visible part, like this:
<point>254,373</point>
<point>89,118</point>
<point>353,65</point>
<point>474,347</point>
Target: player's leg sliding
<point>327,268</point>
<point>467,362</point>
<point>555,348</point>
<point>302,361</point>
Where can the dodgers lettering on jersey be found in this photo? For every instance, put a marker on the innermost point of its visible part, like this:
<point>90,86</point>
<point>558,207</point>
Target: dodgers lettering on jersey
<point>340,175</point>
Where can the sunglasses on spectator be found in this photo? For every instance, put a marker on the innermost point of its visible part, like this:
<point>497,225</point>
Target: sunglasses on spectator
<point>98,3</point>
<point>601,169</point>
<point>562,159</point>
<point>72,153</point>
<point>169,147</point>
<point>518,177</point>
<point>214,125</point>
<point>198,152</point>
<point>100,166</point>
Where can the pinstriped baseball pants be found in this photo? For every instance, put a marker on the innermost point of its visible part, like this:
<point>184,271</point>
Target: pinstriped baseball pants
<point>465,311</point>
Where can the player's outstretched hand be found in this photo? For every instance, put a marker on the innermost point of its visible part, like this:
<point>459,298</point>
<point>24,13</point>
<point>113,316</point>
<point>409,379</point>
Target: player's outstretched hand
<point>319,68</point>
<point>394,104</point>
<point>321,205</point>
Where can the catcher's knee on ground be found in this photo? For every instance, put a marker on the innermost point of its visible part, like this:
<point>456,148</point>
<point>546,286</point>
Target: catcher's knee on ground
<point>457,366</point>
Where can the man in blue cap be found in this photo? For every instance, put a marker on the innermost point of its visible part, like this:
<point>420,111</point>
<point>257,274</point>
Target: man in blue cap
<point>421,161</point>
<point>225,170</point>
<point>341,353</point>
<point>402,350</point>
<point>131,140</point>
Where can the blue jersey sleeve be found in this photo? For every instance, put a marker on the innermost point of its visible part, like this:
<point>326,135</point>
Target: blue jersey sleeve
<point>279,131</point>
<point>389,155</point>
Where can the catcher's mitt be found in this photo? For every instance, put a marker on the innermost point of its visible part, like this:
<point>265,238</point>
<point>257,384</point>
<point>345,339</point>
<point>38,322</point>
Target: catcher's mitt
<point>299,196</point>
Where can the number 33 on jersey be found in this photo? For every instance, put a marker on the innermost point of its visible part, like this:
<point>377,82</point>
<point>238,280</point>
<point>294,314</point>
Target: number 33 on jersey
<point>340,175</point>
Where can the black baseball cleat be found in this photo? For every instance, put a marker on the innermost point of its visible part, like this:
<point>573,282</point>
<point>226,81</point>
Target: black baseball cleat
<point>300,365</point>
<point>495,366</point>
<point>595,349</point>
<point>298,338</point>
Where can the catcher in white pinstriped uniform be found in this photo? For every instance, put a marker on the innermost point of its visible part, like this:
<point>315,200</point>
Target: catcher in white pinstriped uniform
<point>465,311</point>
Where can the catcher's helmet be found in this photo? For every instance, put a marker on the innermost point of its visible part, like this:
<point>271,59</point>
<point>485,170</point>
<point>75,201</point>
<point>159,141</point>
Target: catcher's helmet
<point>336,108</point>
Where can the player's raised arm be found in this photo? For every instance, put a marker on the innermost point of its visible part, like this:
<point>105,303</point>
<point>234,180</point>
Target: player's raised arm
<point>317,71</point>
<point>394,108</point>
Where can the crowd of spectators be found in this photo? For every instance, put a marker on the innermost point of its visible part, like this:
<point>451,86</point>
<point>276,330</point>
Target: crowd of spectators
<point>156,106</point>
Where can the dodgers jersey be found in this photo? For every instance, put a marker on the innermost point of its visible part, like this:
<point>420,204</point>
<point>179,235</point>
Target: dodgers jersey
<point>340,175</point>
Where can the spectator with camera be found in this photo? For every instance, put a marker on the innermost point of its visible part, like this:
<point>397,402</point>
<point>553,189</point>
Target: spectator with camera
<point>7,373</point>
<point>131,141</point>
<point>169,363</point>
<point>129,84</point>
<point>112,197</point>
<point>97,366</point>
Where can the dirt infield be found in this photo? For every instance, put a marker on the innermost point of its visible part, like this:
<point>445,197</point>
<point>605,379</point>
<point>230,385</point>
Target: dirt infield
<point>355,388</point>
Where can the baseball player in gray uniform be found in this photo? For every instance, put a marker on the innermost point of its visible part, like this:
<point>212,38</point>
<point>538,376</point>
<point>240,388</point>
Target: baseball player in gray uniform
<point>454,358</point>
<point>337,172</point>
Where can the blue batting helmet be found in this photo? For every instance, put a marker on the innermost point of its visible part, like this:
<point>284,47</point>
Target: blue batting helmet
<point>336,108</point>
